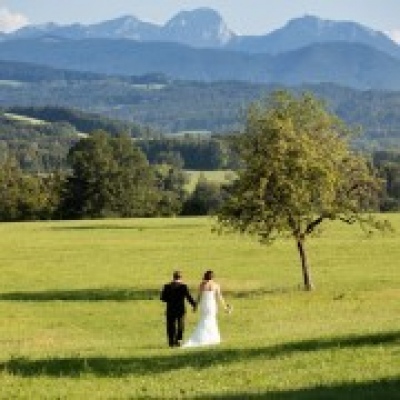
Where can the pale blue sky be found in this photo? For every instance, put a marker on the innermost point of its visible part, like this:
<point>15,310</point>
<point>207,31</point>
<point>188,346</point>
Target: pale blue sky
<point>242,16</point>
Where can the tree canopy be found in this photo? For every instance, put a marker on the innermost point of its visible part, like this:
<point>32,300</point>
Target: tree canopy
<point>297,170</point>
<point>110,177</point>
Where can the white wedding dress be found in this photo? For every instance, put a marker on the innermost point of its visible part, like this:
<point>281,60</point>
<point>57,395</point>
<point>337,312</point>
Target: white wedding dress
<point>206,332</point>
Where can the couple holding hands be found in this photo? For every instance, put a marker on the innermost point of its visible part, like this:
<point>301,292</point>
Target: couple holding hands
<point>174,295</point>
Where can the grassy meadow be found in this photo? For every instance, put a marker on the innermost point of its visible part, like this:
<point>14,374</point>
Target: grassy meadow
<point>217,176</point>
<point>81,319</point>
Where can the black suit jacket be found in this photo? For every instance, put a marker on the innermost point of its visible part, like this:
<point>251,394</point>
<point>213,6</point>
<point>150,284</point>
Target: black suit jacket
<point>174,294</point>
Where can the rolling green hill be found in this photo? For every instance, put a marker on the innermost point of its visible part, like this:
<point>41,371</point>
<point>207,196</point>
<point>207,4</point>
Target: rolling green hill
<point>40,138</point>
<point>170,106</point>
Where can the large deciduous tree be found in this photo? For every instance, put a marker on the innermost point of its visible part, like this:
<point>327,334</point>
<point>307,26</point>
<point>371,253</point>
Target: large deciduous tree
<point>110,177</point>
<point>297,170</point>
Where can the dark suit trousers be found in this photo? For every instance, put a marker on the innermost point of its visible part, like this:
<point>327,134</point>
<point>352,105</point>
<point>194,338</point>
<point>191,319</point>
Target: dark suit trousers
<point>175,328</point>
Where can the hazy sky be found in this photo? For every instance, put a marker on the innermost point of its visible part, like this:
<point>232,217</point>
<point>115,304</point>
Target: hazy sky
<point>242,16</point>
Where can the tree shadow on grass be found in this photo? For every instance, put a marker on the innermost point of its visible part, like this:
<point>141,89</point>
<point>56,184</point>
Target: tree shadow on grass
<point>101,294</point>
<point>96,227</point>
<point>179,359</point>
<point>118,294</point>
<point>134,227</point>
<point>261,292</point>
<point>385,389</point>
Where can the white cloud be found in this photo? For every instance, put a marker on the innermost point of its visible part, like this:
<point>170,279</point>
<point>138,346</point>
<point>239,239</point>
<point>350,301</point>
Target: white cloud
<point>10,21</point>
<point>394,34</point>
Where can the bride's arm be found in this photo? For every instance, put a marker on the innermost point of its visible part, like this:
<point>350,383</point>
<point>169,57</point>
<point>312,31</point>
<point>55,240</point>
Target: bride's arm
<point>220,297</point>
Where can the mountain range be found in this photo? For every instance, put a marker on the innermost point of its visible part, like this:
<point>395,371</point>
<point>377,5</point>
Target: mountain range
<point>202,27</point>
<point>198,45</point>
<point>205,28</point>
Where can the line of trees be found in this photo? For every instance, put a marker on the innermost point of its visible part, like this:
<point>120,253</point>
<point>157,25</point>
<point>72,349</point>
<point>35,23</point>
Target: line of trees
<point>114,175</point>
<point>109,176</point>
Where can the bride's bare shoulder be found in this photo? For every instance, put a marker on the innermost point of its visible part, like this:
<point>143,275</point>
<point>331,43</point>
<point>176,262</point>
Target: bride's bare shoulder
<point>210,286</point>
<point>203,285</point>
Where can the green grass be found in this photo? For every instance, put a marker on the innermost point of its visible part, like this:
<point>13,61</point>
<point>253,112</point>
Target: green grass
<point>81,319</point>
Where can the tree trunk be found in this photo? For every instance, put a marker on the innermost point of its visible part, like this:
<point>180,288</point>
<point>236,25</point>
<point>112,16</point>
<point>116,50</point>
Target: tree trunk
<point>308,285</point>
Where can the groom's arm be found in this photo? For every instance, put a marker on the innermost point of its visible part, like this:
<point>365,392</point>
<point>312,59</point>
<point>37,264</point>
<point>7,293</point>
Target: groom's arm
<point>164,294</point>
<point>190,298</point>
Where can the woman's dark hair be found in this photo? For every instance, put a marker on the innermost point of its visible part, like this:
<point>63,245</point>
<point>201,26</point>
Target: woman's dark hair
<point>208,275</point>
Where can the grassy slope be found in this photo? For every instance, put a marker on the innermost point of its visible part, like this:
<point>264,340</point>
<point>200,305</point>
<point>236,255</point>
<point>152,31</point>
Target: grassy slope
<point>81,317</point>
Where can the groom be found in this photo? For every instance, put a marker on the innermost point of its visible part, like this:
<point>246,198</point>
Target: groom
<point>174,294</point>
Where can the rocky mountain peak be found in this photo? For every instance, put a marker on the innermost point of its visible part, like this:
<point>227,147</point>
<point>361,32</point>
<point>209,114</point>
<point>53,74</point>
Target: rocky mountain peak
<point>202,27</point>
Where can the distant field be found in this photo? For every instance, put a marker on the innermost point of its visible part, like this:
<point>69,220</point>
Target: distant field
<point>25,119</point>
<point>218,176</point>
<point>81,317</point>
<point>198,134</point>
<point>149,86</point>
<point>10,83</point>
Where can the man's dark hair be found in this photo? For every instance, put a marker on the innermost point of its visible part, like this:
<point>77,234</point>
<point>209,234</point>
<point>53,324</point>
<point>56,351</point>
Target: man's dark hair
<point>177,275</point>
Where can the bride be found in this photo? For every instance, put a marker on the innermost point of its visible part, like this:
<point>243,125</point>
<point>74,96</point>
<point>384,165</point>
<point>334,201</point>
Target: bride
<point>206,331</point>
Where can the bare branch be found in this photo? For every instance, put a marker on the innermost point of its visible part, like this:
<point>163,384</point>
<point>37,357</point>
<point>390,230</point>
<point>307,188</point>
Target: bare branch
<point>312,225</point>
